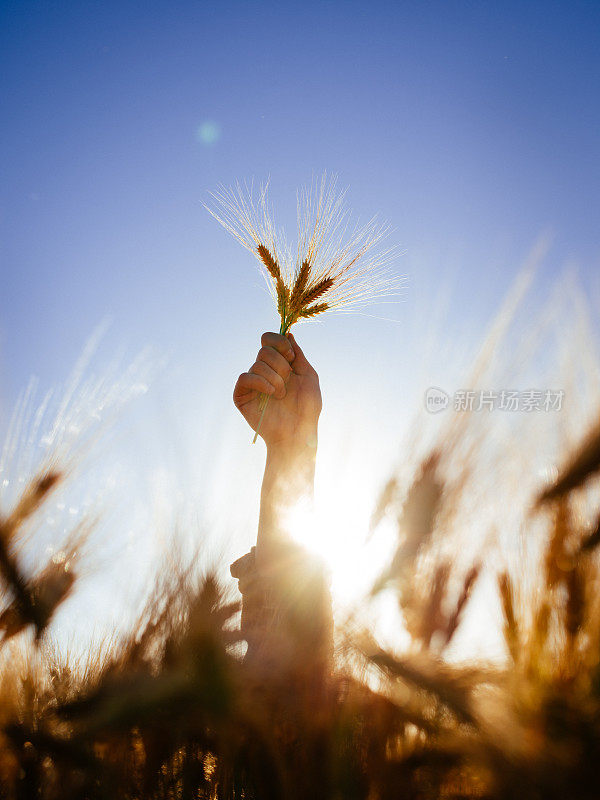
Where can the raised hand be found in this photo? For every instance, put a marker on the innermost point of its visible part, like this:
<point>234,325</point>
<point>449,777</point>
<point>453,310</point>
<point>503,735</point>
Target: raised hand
<point>282,372</point>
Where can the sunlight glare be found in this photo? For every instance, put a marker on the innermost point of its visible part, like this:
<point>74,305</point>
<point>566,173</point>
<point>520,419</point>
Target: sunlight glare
<point>337,529</point>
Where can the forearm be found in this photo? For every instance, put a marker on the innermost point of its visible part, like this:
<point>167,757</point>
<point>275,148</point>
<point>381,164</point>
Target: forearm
<point>288,481</point>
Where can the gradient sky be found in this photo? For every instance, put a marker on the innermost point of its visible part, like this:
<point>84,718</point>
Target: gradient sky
<point>471,126</point>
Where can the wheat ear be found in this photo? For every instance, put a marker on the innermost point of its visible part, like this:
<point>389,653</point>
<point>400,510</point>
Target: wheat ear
<point>299,285</point>
<point>314,292</point>
<point>305,313</point>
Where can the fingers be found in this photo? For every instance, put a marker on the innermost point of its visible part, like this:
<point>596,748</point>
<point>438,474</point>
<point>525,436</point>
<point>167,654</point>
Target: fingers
<point>248,385</point>
<point>275,360</point>
<point>279,343</point>
<point>269,374</point>
<point>290,349</point>
<point>301,364</point>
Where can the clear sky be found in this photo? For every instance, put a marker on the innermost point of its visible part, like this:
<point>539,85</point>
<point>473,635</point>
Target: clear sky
<point>471,126</point>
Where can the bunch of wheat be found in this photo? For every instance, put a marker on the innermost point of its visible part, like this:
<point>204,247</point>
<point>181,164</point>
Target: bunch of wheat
<point>337,265</point>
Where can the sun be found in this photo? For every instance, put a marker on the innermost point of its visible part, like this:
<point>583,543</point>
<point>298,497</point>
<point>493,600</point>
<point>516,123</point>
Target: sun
<point>336,527</point>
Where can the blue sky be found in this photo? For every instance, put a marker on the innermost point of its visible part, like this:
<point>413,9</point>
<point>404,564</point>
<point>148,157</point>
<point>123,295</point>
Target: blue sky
<point>471,126</point>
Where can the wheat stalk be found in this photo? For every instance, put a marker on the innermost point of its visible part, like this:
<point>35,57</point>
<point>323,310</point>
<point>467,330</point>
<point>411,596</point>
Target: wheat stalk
<point>340,265</point>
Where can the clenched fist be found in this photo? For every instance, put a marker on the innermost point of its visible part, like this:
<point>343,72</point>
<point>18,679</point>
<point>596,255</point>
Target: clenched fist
<point>282,372</point>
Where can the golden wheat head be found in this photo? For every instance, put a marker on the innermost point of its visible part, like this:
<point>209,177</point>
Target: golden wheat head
<point>341,266</point>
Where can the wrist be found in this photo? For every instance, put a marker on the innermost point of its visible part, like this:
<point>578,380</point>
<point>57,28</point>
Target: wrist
<point>301,446</point>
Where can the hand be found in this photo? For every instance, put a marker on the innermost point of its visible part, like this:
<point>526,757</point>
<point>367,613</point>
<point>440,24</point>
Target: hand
<point>282,372</point>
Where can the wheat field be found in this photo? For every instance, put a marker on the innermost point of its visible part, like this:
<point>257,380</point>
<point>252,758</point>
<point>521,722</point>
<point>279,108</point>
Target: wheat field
<point>173,709</point>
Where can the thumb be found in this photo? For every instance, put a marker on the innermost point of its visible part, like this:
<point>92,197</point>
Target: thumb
<point>300,364</point>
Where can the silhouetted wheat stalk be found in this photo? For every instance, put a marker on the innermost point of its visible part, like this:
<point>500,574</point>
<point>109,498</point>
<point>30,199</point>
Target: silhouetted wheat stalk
<point>335,267</point>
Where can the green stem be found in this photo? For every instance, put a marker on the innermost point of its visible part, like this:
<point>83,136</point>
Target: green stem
<point>266,400</point>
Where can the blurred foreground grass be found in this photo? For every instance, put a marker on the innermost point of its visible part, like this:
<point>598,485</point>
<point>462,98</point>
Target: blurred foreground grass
<point>173,710</point>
